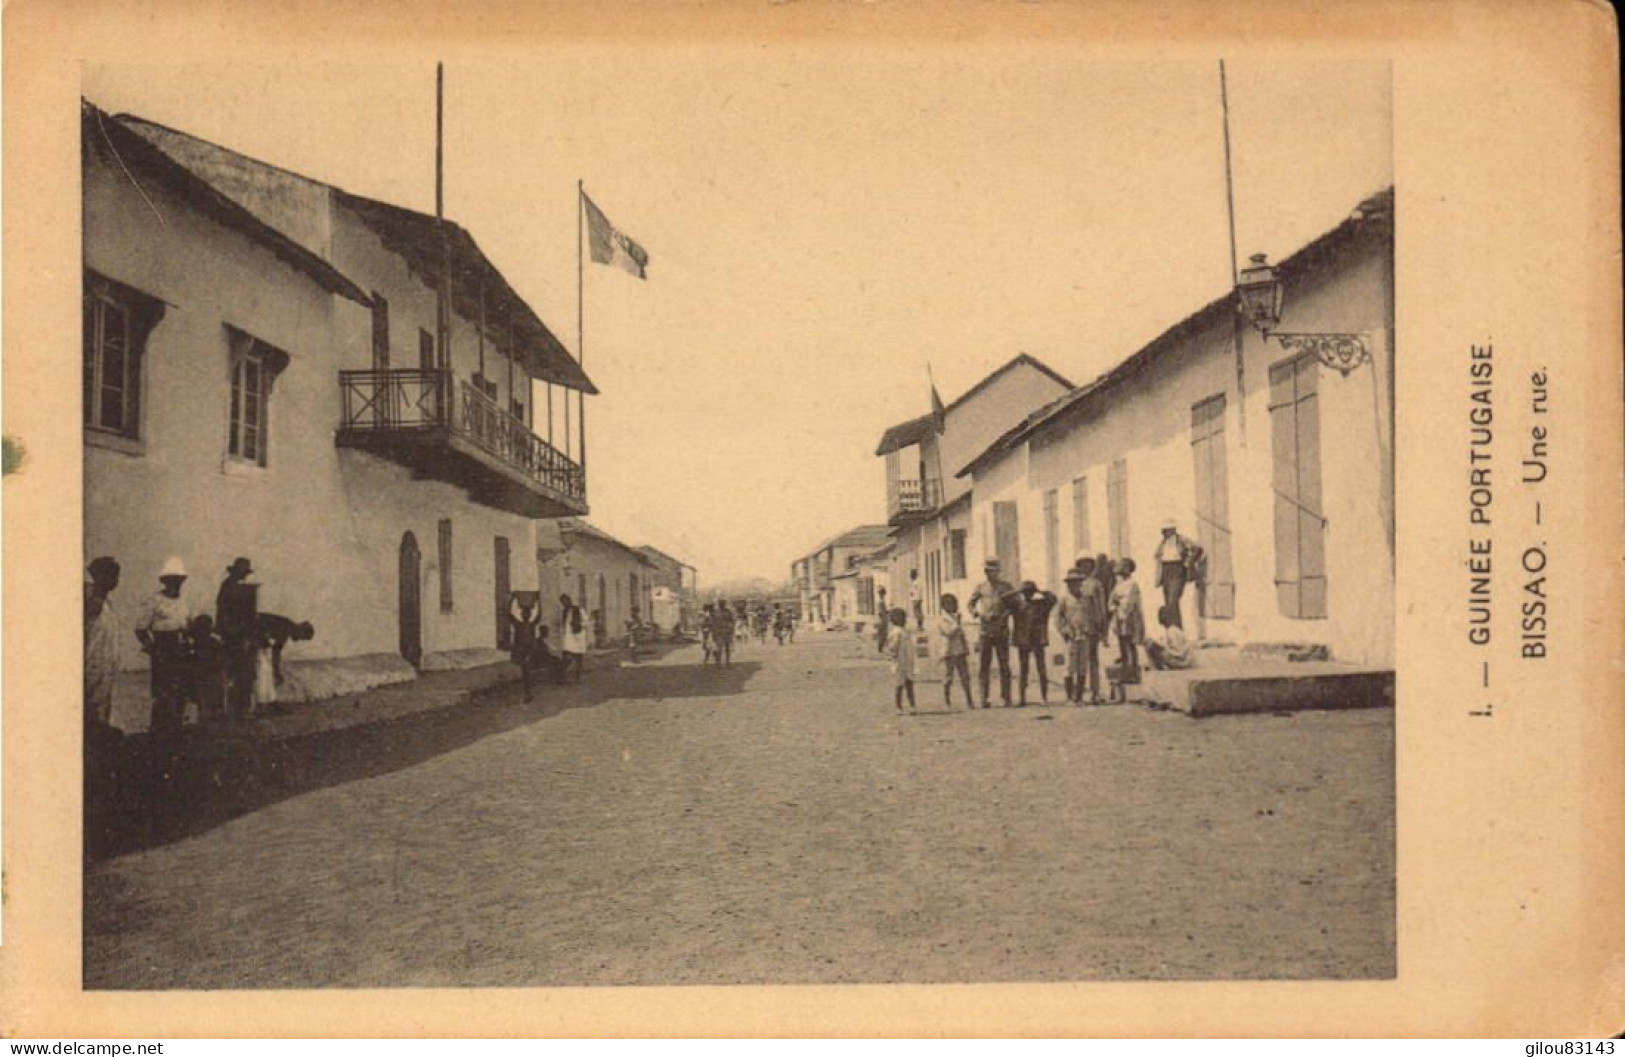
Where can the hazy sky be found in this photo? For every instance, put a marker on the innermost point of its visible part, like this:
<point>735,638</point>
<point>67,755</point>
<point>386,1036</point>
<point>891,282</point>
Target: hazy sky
<point>821,223</point>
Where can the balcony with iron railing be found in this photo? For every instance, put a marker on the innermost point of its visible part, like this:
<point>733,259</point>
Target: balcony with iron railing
<point>446,429</point>
<point>912,499</point>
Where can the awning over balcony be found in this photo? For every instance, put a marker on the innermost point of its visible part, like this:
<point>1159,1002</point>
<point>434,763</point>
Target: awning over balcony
<point>510,322</point>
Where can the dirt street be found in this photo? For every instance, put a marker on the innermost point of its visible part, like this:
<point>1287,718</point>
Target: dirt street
<point>778,823</point>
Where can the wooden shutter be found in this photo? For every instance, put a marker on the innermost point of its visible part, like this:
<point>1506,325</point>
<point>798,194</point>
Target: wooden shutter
<point>1300,527</point>
<point>380,332</point>
<point>1213,507</point>
<point>1080,516</point>
<point>445,566</point>
<point>501,590</point>
<point>1007,540</point>
<point>1117,507</point>
<point>1052,538</point>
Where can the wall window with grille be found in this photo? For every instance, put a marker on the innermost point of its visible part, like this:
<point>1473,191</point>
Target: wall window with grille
<point>1117,508</point>
<point>445,565</point>
<point>1300,525</point>
<point>117,320</point>
<point>1216,597</point>
<point>254,367</point>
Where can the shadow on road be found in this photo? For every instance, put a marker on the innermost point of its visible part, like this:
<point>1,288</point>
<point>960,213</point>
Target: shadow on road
<point>208,776</point>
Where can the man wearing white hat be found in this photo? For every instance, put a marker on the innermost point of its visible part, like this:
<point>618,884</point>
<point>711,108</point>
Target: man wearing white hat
<point>1176,564</point>
<point>162,630</point>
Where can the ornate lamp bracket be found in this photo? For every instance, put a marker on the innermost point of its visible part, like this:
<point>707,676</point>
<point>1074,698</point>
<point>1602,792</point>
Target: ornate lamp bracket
<point>1342,351</point>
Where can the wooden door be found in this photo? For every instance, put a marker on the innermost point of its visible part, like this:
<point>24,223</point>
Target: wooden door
<point>411,600</point>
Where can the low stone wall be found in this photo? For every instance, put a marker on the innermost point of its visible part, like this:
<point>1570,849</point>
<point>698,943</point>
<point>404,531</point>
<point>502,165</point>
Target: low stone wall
<point>462,660</point>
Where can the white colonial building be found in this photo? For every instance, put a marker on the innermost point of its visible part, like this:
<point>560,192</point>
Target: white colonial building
<point>1274,452</point>
<point>264,377</point>
<point>927,506</point>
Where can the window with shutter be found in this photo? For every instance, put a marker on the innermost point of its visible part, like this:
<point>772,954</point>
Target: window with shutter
<point>1080,516</point>
<point>1217,597</point>
<point>1117,507</point>
<point>380,332</point>
<point>1052,539</point>
<point>426,357</point>
<point>445,565</point>
<point>1007,540</point>
<point>1300,525</point>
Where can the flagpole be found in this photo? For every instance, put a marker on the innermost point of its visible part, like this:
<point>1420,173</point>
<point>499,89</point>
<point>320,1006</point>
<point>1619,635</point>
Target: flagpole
<point>581,333</point>
<point>443,299</point>
<point>1236,331</point>
<point>936,397</point>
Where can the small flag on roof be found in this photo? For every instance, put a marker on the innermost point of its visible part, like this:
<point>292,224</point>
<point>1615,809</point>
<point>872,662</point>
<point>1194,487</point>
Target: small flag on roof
<point>608,245</point>
<point>939,414</point>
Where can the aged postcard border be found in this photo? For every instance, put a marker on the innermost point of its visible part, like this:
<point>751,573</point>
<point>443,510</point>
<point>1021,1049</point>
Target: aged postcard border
<point>1506,166</point>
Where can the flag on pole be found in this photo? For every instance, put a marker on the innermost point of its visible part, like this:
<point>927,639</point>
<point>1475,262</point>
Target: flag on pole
<point>607,245</point>
<point>939,414</point>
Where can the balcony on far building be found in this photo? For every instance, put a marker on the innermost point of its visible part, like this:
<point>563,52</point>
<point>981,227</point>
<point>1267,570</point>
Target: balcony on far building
<point>445,429</point>
<point>912,499</point>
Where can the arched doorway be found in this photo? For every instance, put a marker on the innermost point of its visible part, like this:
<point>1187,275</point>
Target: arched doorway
<point>411,600</point>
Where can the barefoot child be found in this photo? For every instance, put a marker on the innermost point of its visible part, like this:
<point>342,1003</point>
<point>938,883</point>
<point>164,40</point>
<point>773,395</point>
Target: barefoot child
<point>955,652</point>
<point>1128,622</point>
<point>900,646</point>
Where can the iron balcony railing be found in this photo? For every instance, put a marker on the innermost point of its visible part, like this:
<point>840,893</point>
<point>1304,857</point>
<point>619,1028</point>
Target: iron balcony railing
<point>417,400</point>
<point>913,496</point>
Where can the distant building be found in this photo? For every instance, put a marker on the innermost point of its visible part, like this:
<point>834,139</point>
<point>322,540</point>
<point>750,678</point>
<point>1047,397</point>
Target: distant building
<point>857,590</point>
<point>1279,464</point>
<point>814,575</point>
<point>603,575</point>
<point>927,506</point>
<point>676,590</point>
<point>262,378</point>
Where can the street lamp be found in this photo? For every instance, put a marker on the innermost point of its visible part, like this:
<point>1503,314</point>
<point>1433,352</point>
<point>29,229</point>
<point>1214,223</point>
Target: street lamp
<point>1259,296</point>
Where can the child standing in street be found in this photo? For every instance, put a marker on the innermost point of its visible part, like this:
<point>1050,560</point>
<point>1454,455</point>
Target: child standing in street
<point>1083,625</point>
<point>900,646</point>
<point>955,652</point>
<point>1128,622</point>
<point>706,618</point>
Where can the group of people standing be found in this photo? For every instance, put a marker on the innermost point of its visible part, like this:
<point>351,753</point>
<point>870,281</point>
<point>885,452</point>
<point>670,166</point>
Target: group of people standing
<point>1101,603</point>
<point>721,624</point>
<point>228,664</point>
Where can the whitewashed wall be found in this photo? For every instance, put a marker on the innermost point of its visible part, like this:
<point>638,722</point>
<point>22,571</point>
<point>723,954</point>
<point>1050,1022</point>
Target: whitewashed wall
<point>1146,420</point>
<point>323,527</point>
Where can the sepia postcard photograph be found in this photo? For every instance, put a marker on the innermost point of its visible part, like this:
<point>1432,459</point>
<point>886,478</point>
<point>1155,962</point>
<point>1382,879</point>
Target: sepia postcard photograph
<point>690,508</point>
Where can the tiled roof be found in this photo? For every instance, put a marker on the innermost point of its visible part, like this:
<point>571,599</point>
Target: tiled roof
<point>576,526</point>
<point>416,237</point>
<point>98,131</point>
<point>917,429</point>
